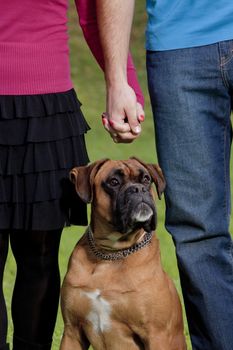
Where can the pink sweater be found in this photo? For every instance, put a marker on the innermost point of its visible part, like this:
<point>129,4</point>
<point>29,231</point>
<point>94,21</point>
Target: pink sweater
<point>34,51</point>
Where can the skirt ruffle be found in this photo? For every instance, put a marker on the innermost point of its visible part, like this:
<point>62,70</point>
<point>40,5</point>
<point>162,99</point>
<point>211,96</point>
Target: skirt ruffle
<point>41,139</point>
<point>21,107</point>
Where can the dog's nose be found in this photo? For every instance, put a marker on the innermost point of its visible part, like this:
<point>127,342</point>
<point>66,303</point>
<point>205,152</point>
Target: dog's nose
<point>138,188</point>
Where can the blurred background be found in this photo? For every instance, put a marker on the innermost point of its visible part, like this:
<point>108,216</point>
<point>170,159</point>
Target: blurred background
<point>90,87</point>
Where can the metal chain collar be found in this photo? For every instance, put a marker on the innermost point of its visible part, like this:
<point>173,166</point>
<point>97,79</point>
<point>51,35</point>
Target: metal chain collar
<point>119,254</point>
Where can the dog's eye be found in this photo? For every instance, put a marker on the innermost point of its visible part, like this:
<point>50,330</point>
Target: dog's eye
<point>114,182</point>
<point>146,179</point>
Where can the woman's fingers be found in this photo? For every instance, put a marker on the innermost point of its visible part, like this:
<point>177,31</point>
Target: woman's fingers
<point>115,132</point>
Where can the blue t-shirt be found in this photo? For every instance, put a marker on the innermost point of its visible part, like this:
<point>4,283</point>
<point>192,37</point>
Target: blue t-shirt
<point>174,24</point>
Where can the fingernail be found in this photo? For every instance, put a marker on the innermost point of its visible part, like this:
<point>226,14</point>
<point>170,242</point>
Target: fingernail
<point>137,129</point>
<point>141,118</point>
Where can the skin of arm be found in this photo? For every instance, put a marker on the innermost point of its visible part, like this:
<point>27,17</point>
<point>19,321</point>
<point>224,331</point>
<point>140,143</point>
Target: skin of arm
<point>88,21</point>
<point>114,22</point>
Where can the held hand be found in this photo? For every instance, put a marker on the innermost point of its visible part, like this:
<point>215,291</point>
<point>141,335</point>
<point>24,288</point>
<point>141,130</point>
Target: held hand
<point>124,114</point>
<point>119,138</point>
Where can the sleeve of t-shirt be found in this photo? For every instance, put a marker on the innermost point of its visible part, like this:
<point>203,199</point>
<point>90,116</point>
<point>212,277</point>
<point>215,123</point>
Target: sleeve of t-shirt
<point>88,21</point>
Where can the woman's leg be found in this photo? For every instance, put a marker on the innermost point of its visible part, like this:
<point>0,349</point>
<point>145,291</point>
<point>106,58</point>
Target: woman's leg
<point>36,292</point>
<point>4,242</point>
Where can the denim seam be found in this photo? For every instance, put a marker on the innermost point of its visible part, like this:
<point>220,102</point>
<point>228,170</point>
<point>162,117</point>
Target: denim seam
<point>225,61</point>
<point>222,66</point>
<point>225,170</point>
<point>230,248</point>
<point>223,74</point>
<point>231,253</point>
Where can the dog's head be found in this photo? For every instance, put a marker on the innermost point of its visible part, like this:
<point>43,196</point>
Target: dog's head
<point>120,192</point>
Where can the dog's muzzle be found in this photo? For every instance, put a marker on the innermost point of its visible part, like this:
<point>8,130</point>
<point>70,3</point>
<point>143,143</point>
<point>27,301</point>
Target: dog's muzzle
<point>135,209</point>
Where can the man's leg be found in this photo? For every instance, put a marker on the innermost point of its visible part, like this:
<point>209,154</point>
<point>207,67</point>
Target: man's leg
<point>191,104</point>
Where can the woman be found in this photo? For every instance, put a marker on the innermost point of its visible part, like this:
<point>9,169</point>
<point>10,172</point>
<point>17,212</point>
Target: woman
<point>41,138</point>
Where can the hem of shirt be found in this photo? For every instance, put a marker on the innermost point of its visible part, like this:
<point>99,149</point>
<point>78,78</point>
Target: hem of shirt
<point>189,43</point>
<point>42,91</point>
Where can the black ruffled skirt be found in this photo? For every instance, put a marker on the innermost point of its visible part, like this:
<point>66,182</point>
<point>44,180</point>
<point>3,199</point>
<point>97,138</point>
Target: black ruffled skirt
<point>41,139</point>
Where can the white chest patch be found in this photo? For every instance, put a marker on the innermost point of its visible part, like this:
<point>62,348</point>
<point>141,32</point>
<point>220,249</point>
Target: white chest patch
<point>99,316</point>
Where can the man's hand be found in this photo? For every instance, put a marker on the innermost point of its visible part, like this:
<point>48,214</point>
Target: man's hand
<point>124,115</point>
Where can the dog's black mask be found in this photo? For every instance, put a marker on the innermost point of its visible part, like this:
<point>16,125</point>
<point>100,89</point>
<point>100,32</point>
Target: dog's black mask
<point>132,203</point>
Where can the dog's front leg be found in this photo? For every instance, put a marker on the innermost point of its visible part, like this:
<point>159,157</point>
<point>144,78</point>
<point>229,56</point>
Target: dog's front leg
<point>73,339</point>
<point>163,343</point>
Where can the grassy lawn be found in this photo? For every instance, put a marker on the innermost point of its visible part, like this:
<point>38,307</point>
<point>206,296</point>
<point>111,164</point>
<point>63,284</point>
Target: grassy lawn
<point>89,84</point>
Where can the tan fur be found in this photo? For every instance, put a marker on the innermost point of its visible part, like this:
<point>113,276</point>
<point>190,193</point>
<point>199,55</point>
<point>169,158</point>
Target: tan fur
<point>140,302</point>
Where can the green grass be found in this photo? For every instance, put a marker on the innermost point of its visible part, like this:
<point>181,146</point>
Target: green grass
<point>89,84</point>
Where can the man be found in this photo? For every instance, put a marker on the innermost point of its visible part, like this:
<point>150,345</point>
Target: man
<point>190,78</point>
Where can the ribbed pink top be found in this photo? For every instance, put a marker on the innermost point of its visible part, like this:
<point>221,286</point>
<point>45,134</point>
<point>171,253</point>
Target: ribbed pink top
<point>34,51</point>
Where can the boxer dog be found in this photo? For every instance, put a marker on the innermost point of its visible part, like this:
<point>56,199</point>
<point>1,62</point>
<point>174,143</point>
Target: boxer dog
<point>115,295</point>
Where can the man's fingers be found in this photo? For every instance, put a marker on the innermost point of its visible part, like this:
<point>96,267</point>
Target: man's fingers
<point>119,127</point>
<point>115,127</point>
<point>118,137</point>
<point>127,137</point>
<point>132,119</point>
<point>119,140</point>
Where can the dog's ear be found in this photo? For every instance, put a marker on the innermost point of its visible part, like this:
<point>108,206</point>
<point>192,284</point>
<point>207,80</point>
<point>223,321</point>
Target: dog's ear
<point>83,179</point>
<point>156,174</point>
<point>158,178</point>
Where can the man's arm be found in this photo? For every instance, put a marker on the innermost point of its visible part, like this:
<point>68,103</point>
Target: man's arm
<point>115,21</point>
<point>86,10</point>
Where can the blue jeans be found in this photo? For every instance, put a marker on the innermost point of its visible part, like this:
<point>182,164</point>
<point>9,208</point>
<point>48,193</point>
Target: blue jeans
<point>191,93</point>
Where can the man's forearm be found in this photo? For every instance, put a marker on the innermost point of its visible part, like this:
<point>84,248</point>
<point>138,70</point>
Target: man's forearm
<point>114,22</point>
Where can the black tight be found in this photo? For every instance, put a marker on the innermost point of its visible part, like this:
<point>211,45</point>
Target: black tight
<point>36,292</point>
